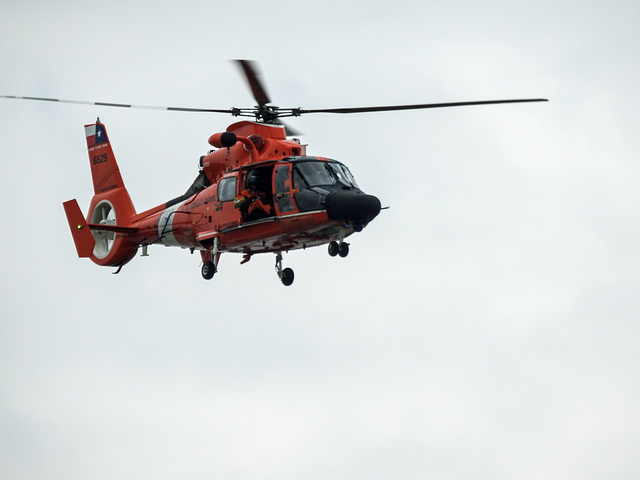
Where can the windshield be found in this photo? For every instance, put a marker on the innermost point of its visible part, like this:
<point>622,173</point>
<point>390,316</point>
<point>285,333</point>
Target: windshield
<point>343,174</point>
<point>317,173</point>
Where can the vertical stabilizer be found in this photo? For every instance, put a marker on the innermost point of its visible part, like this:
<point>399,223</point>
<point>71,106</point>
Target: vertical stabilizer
<point>110,208</point>
<point>104,169</point>
<point>82,236</point>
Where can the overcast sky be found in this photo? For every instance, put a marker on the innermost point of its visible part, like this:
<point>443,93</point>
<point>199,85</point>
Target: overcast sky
<point>485,326</point>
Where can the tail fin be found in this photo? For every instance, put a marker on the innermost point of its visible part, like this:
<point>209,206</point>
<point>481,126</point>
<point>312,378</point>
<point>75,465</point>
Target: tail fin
<point>111,209</point>
<point>82,236</point>
<point>104,169</point>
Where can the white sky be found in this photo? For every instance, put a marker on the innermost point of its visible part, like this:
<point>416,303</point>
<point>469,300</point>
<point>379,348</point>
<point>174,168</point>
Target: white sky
<point>485,326</point>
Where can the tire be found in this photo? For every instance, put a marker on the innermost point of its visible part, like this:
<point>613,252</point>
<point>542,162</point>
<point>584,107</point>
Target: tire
<point>208,270</point>
<point>287,277</point>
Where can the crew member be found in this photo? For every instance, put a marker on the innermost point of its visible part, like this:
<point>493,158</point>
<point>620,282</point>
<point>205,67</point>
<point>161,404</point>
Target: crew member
<point>252,201</point>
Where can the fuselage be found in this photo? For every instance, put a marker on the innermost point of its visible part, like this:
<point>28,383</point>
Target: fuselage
<point>310,200</point>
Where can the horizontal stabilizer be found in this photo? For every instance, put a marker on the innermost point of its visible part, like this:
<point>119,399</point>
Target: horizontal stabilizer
<point>112,228</point>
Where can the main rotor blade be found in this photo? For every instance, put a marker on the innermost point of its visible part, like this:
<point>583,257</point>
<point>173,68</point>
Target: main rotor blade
<point>288,129</point>
<point>252,75</point>
<point>389,108</point>
<point>123,105</point>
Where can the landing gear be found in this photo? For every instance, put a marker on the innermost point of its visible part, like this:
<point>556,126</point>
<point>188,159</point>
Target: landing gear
<point>210,260</point>
<point>285,275</point>
<point>208,270</point>
<point>336,248</point>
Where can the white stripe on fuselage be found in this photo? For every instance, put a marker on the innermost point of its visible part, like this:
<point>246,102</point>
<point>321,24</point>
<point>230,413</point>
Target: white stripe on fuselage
<point>165,226</point>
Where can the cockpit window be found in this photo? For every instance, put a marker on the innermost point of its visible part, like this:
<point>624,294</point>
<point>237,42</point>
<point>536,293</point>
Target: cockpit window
<point>343,174</point>
<point>316,174</point>
<point>311,174</point>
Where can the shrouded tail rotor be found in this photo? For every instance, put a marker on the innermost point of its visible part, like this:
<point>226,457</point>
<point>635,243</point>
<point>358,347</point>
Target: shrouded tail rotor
<point>103,214</point>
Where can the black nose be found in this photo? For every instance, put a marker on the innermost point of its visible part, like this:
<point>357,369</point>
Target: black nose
<point>352,206</point>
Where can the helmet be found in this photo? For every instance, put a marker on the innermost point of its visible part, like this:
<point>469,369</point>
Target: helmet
<point>253,181</point>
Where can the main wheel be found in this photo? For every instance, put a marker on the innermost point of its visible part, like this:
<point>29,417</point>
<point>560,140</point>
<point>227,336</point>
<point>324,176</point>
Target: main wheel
<point>334,248</point>
<point>208,270</point>
<point>343,250</point>
<point>287,277</point>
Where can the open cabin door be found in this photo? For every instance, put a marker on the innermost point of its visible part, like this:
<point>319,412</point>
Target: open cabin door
<point>283,194</point>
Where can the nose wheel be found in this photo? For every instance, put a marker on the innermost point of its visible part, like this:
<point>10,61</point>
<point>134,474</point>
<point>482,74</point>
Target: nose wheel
<point>285,275</point>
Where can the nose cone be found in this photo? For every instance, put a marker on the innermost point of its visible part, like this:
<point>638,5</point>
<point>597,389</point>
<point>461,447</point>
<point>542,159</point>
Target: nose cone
<point>352,206</point>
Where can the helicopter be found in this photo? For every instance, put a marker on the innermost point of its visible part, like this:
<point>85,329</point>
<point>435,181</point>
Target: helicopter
<point>257,191</point>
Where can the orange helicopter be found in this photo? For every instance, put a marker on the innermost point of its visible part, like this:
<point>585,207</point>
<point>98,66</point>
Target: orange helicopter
<point>256,192</point>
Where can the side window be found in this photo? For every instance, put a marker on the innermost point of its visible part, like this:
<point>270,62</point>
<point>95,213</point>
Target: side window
<point>227,189</point>
<point>284,200</point>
